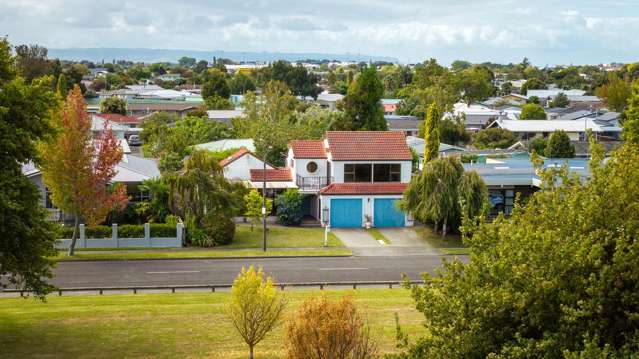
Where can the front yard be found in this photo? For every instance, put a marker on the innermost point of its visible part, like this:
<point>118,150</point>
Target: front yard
<point>450,244</point>
<point>281,242</point>
<point>180,325</point>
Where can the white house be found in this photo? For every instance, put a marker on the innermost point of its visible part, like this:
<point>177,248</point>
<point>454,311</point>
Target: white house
<point>238,166</point>
<point>349,179</point>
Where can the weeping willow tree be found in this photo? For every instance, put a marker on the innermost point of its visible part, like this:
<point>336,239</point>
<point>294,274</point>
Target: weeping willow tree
<point>437,194</point>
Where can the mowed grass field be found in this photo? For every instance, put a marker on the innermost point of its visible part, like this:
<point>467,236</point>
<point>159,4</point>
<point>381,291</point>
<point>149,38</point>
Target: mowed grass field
<point>182,325</point>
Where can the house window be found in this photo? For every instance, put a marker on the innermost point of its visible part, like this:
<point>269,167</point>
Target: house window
<point>387,172</point>
<point>357,172</point>
<point>311,167</point>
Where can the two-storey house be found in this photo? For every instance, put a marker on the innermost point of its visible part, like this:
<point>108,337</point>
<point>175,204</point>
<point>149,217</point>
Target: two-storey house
<point>352,177</point>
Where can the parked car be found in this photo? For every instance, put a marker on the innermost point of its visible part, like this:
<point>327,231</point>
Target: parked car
<point>134,140</point>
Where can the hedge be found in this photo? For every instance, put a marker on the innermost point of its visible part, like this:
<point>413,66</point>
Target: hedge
<point>124,231</point>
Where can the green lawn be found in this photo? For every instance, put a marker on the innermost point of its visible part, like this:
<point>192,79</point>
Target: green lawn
<point>168,325</point>
<point>283,237</point>
<point>281,241</point>
<point>450,244</point>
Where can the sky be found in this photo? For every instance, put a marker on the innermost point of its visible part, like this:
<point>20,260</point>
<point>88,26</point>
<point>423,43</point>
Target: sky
<point>547,32</point>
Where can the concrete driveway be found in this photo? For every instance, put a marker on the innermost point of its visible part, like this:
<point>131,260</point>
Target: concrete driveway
<point>404,242</point>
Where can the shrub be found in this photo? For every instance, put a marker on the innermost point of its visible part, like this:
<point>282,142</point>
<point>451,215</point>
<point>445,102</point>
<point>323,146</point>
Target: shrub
<point>171,220</point>
<point>163,230</point>
<point>559,146</point>
<point>469,157</point>
<point>90,232</point>
<point>532,111</point>
<point>326,329</point>
<point>538,145</point>
<point>131,231</point>
<point>494,138</point>
<point>289,207</point>
<point>215,230</point>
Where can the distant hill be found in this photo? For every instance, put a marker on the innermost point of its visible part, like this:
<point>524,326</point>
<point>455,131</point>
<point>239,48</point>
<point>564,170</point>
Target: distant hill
<point>156,55</point>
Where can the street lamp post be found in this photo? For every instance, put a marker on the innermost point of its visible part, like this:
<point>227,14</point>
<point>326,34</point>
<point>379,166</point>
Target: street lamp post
<point>327,225</point>
<point>264,199</point>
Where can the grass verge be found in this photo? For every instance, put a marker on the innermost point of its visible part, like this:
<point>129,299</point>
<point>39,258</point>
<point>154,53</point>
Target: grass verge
<point>282,237</point>
<point>181,325</point>
<point>378,235</point>
<point>189,254</point>
<point>450,244</point>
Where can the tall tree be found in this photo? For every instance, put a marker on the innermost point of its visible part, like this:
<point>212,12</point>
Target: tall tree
<point>113,104</point>
<point>26,238</point>
<point>431,133</point>
<point>62,86</point>
<point>615,92</point>
<point>535,289</point>
<point>31,61</point>
<point>476,84</point>
<point>532,111</point>
<point>631,124</point>
<point>215,89</point>
<point>362,104</point>
<point>78,169</point>
<point>559,146</point>
<point>532,84</point>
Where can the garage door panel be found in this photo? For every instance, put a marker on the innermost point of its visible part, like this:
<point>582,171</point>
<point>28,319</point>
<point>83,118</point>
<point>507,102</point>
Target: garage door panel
<point>386,213</point>
<point>346,213</point>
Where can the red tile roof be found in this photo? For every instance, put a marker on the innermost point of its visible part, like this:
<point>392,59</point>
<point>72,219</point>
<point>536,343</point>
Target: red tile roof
<point>225,162</point>
<point>308,149</point>
<point>272,175</point>
<point>364,188</point>
<point>116,117</point>
<point>368,146</point>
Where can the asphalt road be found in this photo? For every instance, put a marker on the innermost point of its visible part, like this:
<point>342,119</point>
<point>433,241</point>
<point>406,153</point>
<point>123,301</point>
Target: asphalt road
<point>223,271</point>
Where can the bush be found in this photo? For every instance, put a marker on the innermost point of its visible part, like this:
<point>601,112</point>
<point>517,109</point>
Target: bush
<point>163,230</point>
<point>468,158</point>
<point>215,230</point>
<point>124,231</point>
<point>342,332</point>
<point>532,111</point>
<point>131,231</point>
<point>66,232</point>
<point>494,138</point>
<point>289,207</point>
<point>559,146</point>
<point>538,145</point>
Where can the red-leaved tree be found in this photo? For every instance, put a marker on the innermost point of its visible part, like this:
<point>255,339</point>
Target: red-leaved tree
<point>78,167</point>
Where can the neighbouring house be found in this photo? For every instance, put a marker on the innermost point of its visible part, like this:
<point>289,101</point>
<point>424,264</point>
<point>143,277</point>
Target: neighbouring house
<point>329,100</point>
<point>131,172</point>
<point>445,150</point>
<point>179,108</point>
<point>514,175</point>
<point>227,144</point>
<point>225,116</point>
<point>409,125</point>
<point>240,165</point>
<point>479,116</point>
<point>390,105</point>
<point>585,102</point>
<point>128,121</point>
<point>169,77</point>
<point>602,128</point>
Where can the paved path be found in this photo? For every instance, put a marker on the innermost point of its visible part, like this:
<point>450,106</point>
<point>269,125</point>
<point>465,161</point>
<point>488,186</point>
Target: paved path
<point>355,238</point>
<point>407,237</point>
<point>223,271</point>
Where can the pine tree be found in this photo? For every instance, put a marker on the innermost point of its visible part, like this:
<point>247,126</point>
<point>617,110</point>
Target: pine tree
<point>62,86</point>
<point>362,106</point>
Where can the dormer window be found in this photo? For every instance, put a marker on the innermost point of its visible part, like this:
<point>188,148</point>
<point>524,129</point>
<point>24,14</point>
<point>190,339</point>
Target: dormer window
<point>311,167</point>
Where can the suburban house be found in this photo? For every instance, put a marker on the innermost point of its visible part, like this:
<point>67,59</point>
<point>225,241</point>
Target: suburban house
<point>417,144</point>
<point>602,128</point>
<point>127,121</point>
<point>224,116</point>
<point>131,171</point>
<point>227,144</point>
<point>478,116</point>
<point>390,105</point>
<point>238,166</point>
<point>179,108</point>
<point>329,100</point>
<point>409,125</point>
<point>348,179</point>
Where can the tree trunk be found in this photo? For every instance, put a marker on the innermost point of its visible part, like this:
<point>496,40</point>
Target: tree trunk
<point>74,237</point>
<point>435,226</point>
<point>444,227</point>
<point>250,352</point>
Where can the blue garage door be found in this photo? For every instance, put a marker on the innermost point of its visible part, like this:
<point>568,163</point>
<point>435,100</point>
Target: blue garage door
<point>386,214</point>
<point>346,213</point>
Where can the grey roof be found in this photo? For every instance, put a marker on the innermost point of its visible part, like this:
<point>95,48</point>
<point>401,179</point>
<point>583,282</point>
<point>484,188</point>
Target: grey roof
<point>417,144</point>
<point>481,120</point>
<point>574,115</point>
<point>228,144</point>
